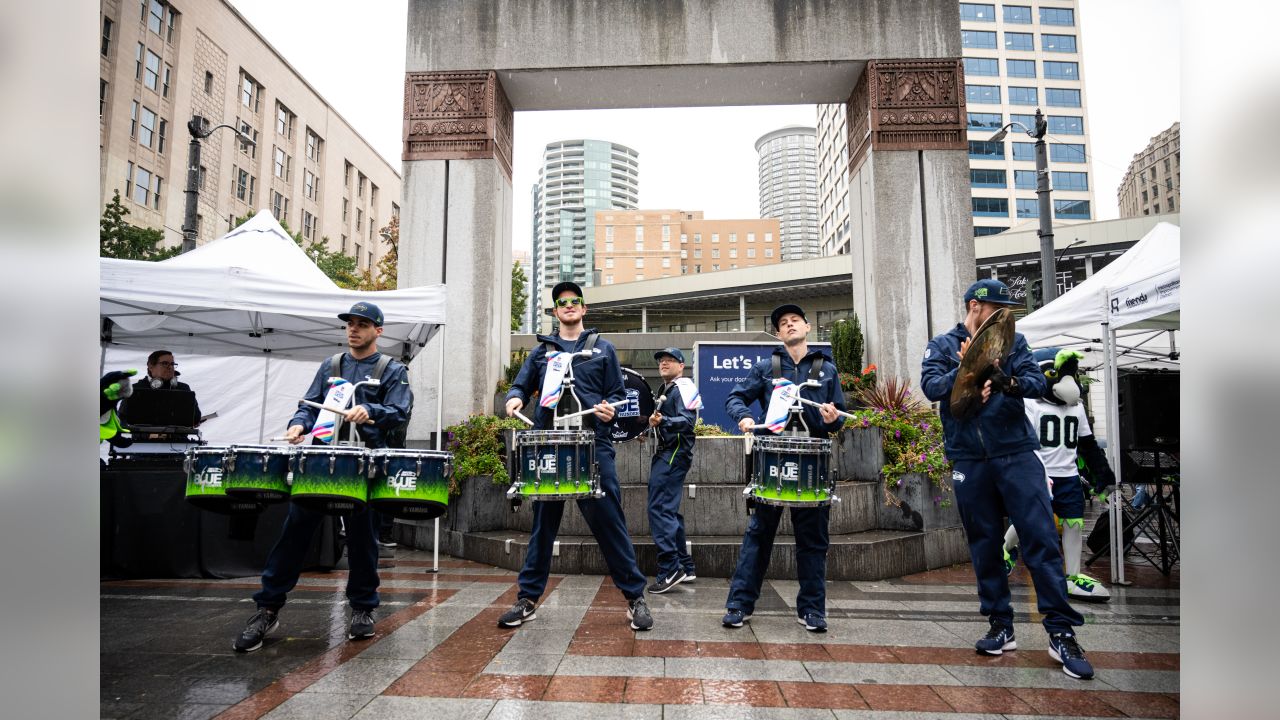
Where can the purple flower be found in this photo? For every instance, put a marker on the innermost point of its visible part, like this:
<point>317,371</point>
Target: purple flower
<point>899,483</point>
<point>866,422</point>
<point>921,457</point>
<point>897,434</point>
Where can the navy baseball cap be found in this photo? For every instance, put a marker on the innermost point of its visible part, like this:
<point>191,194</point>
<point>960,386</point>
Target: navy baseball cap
<point>989,290</point>
<point>366,310</point>
<point>566,285</point>
<point>781,310</point>
<point>673,352</point>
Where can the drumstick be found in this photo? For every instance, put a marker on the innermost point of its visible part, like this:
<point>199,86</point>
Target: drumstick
<point>842,413</point>
<point>589,410</point>
<point>520,415</point>
<point>333,409</point>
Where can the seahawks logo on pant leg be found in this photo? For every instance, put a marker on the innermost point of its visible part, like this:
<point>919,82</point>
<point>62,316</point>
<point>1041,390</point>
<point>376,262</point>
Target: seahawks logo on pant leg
<point>957,477</point>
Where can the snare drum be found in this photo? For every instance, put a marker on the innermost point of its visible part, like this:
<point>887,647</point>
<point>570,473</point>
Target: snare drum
<point>792,471</point>
<point>330,480</point>
<point>555,465</point>
<point>409,483</point>
<point>206,481</point>
<point>257,472</point>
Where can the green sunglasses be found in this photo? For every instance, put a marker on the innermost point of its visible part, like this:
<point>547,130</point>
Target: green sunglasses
<point>566,302</point>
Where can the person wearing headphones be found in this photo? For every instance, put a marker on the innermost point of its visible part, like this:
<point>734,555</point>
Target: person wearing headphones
<point>162,374</point>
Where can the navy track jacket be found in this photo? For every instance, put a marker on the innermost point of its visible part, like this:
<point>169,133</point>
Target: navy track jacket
<point>758,386</point>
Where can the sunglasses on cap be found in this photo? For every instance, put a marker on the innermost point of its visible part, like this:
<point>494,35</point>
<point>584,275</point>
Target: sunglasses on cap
<point>567,301</point>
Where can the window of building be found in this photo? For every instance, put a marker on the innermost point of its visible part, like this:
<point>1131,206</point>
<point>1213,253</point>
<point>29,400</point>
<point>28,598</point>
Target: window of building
<point>395,211</point>
<point>990,207</point>
<point>357,253</point>
<point>128,181</point>
<point>1066,152</point>
<point>346,174</point>
<point>1074,209</point>
<point>346,206</point>
<point>1171,208</point>
<point>142,187</point>
<point>1019,41</point>
<point>371,229</point>
<point>137,62</point>
<point>310,184</point>
<point>279,206</point>
<point>1024,151</point>
<point>1057,16</point>
<point>360,180</point>
<point>1020,14</point>
<point>1057,70</point>
<point>983,231</point>
<point>1028,207</point>
<point>373,196</point>
<point>981,39</point>
<point>768,252</point>
<point>983,150</point>
<point>697,253</point>
<point>1066,124</point>
<point>240,183</point>
<point>751,253</point>
<point>608,263</point>
<point>172,24</point>
<point>359,219</point>
<point>1144,197</point>
<point>608,246</point>
<point>987,178</point>
<point>1024,179</point>
<point>281,164</point>
<point>1023,96</point>
<point>1020,68</point>
<point>985,121</point>
<point>666,262</point>
<point>164,84</point>
<point>308,225</point>
<point>133,119</point>
<point>733,237</point>
<point>715,253</point>
<point>162,133</point>
<point>155,16</point>
<point>1057,43</point>
<point>714,267</point>
<point>107,27</point>
<point>284,121</point>
<point>102,97</point>
<point>151,72</point>
<point>666,243</point>
<point>751,237</point>
<point>733,253</point>
<point>147,127</point>
<point>1063,180</point>
<point>984,94</point>
<point>715,237</point>
<point>697,237</point>
<point>1028,121</point>
<point>974,12</point>
<point>250,92</point>
<point>639,263</point>
<point>684,238</point>
<point>981,66</point>
<point>314,144</point>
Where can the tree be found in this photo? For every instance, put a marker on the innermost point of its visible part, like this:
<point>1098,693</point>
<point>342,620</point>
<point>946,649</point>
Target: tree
<point>519,296</point>
<point>389,265</point>
<point>855,327</point>
<point>339,268</point>
<point>119,239</point>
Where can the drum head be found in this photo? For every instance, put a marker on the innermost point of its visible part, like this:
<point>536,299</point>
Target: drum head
<point>633,418</point>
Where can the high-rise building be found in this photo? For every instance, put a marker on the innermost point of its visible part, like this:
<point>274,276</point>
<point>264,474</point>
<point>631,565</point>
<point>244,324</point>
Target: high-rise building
<point>161,64</point>
<point>1153,183</point>
<point>636,245</point>
<point>577,178</point>
<point>789,188</point>
<point>1017,57</point>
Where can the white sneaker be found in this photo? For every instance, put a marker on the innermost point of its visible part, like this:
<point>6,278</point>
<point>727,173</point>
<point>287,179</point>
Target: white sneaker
<point>1083,587</point>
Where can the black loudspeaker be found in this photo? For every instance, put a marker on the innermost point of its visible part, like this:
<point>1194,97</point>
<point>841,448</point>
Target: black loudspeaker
<point>1148,404</point>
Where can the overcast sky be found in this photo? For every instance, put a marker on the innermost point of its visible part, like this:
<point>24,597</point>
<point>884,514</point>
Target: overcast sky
<point>704,158</point>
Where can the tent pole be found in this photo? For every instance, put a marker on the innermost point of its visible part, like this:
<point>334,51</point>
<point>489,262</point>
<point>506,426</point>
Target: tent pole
<point>435,544</point>
<point>102,360</point>
<point>1113,453</point>
<point>262,414</point>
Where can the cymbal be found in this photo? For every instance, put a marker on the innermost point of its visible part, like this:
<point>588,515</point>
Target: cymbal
<point>991,343</point>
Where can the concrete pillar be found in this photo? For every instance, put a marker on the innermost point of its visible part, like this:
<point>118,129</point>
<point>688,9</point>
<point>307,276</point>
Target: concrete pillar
<point>455,229</point>
<point>912,236</point>
<point>644,318</point>
<point>1088,266</point>
<point>742,313</point>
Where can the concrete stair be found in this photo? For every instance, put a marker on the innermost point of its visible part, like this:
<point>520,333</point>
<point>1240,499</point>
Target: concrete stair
<point>868,540</point>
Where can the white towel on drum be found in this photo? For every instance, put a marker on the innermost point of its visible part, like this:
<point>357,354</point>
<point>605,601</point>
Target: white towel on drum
<point>785,394</point>
<point>689,393</point>
<point>552,382</point>
<point>325,421</point>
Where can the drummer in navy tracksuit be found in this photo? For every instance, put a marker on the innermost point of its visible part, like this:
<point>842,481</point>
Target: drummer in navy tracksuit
<point>673,422</point>
<point>597,382</point>
<point>996,472</point>
<point>810,523</point>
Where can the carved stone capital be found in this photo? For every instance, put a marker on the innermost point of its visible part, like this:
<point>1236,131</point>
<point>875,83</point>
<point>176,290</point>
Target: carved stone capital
<point>457,116</point>
<point>907,105</point>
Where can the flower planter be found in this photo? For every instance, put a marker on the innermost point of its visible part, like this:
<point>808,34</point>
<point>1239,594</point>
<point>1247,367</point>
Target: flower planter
<point>858,454</point>
<point>919,510</point>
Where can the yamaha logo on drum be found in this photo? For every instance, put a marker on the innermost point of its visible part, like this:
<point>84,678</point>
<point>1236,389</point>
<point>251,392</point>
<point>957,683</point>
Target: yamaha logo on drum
<point>406,480</point>
<point>789,471</point>
<point>209,477</point>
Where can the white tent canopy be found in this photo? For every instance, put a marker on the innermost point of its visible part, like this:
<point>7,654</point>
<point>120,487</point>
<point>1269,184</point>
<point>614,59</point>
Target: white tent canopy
<point>250,292</point>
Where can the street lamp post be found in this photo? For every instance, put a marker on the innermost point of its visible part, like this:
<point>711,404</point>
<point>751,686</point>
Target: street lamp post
<point>1048,269</point>
<point>198,132</point>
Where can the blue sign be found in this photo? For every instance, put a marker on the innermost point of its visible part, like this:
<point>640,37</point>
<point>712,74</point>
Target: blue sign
<point>717,367</point>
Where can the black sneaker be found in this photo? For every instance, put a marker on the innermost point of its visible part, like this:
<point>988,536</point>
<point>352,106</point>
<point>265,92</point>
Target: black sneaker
<point>734,618</point>
<point>813,622</point>
<point>361,627</point>
<point>998,639</point>
<point>638,614</point>
<point>690,575</point>
<point>519,614</point>
<point>662,585</point>
<point>385,539</point>
<point>262,622</point>
<point>1064,648</point>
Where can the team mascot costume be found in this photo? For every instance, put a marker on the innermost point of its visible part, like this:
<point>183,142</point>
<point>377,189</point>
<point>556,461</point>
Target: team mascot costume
<point>1066,443</point>
<point>114,386</point>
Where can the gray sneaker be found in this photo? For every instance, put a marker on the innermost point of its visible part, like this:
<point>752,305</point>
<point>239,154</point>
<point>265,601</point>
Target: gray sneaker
<point>519,614</point>
<point>361,627</point>
<point>262,622</point>
<point>638,614</point>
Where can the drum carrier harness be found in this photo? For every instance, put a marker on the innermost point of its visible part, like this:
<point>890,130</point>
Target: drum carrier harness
<point>580,422</point>
<point>796,425</point>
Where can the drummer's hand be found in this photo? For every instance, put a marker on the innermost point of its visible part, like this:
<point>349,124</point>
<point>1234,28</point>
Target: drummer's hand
<point>746,423</point>
<point>359,415</point>
<point>294,434</point>
<point>513,406</point>
<point>654,419</point>
<point>964,345</point>
<point>828,412</point>
<point>604,411</point>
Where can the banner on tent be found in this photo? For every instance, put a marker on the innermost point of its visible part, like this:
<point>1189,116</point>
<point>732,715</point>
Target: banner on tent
<point>1148,298</point>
